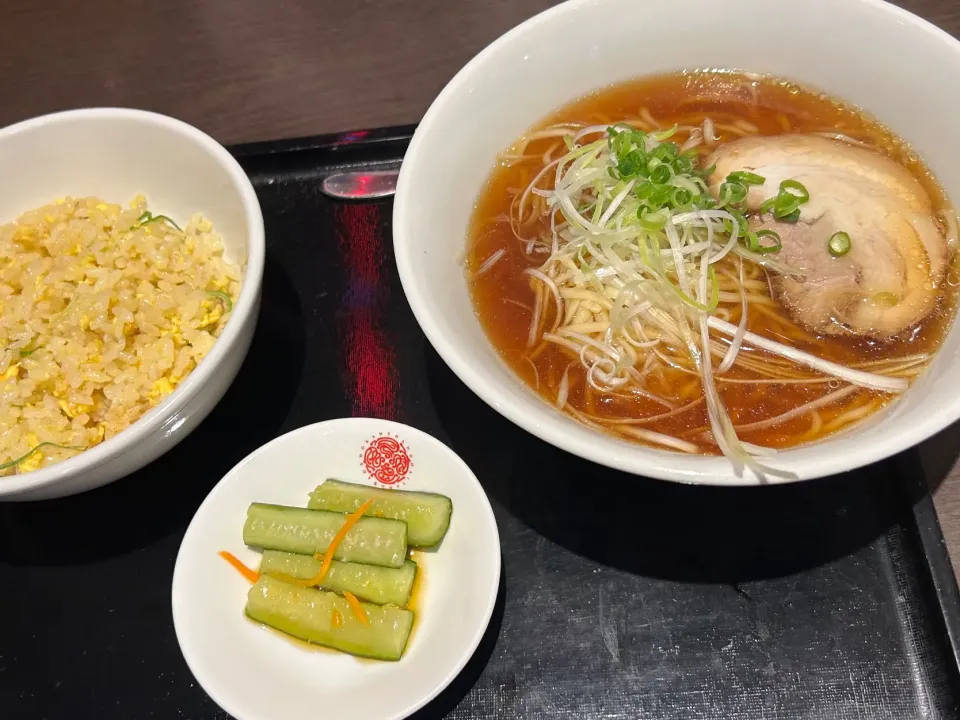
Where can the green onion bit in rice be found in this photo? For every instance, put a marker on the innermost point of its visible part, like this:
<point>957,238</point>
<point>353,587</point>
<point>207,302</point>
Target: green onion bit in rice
<point>32,451</point>
<point>149,217</point>
<point>222,297</point>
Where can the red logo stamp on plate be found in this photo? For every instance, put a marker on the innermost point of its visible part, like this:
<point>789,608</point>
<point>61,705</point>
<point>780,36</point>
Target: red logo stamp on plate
<point>386,459</point>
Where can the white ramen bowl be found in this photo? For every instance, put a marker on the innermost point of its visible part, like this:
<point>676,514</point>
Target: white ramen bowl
<point>888,62</point>
<point>114,154</point>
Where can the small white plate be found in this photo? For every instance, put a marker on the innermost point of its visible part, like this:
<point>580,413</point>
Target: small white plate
<point>255,673</point>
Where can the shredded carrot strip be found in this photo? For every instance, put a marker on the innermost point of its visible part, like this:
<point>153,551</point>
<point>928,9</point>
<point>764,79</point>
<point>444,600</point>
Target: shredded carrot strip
<point>337,618</point>
<point>251,575</point>
<point>356,607</point>
<point>348,524</point>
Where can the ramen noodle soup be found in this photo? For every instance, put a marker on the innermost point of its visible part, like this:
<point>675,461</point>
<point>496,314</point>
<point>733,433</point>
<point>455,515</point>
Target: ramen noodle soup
<point>713,262</point>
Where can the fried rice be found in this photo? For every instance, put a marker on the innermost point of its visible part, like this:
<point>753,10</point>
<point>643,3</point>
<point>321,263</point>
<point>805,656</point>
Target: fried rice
<point>104,310</point>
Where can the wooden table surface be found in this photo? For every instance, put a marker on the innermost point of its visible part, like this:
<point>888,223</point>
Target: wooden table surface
<point>248,70</point>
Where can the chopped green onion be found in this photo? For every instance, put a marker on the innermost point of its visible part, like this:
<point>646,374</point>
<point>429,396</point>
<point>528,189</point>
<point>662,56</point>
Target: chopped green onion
<point>658,172</point>
<point>662,194</point>
<point>223,297</point>
<point>745,178</point>
<point>886,298</point>
<point>681,197</point>
<point>766,249</point>
<point>35,449</point>
<point>683,164</point>
<point>568,141</point>
<point>631,164</point>
<point>27,353</point>
<point>752,242</point>
<point>619,141</point>
<point>643,189</point>
<point>661,173</point>
<point>732,193</point>
<point>839,244</point>
<point>786,204</point>
<point>667,152</point>
<point>789,186</point>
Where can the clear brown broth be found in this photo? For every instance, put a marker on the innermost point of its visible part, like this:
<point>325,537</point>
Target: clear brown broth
<point>773,107</point>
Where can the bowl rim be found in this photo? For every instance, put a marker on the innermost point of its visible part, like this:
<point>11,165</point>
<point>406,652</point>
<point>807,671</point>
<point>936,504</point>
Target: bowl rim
<point>165,416</point>
<point>549,425</point>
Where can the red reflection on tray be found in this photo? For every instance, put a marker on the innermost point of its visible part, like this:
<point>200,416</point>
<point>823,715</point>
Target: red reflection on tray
<point>369,375</point>
<point>352,137</point>
<point>363,185</point>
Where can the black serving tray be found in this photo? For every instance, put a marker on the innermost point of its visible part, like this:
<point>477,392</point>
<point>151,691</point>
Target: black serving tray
<point>621,597</point>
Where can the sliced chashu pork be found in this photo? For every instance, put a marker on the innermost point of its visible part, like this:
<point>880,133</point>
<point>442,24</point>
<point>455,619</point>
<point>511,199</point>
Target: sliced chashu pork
<point>887,282</point>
